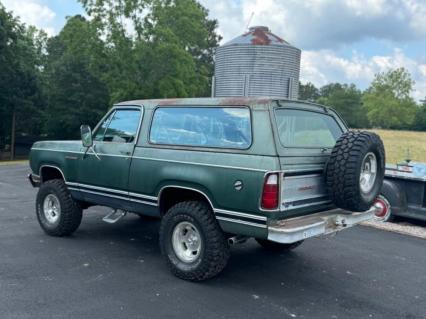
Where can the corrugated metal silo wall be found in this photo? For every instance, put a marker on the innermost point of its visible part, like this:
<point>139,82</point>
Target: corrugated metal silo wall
<point>257,70</point>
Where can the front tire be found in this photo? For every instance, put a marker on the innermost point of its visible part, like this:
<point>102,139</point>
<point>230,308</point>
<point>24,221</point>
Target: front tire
<point>278,247</point>
<point>192,242</point>
<point>57,212</point>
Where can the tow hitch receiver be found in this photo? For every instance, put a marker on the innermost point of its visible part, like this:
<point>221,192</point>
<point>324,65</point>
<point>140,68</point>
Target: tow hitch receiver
<point>114,216</point>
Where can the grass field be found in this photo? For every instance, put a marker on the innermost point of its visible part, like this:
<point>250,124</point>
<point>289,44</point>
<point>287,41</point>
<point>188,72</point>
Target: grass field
<point>398,142</point>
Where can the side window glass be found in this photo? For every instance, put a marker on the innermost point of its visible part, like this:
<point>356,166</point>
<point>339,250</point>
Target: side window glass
<point>221,127</point>
<point>123,127</point>
<point>99,135</point>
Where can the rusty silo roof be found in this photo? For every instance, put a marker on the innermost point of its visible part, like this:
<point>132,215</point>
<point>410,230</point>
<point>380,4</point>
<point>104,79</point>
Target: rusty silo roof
<point>259,35</point>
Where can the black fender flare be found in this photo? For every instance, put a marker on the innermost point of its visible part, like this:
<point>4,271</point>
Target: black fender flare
<point>394,194</point>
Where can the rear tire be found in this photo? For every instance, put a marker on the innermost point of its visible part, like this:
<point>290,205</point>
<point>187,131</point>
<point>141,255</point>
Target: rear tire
<point>192,242</point>
<point>355,170</point>
<point>57,212</point>
<point>278,247</point>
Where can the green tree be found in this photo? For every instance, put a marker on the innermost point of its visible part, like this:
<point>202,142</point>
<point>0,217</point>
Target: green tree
<point>308,92</point>
<point>184,28</point>
<point>76,97</point>
<point>76,91</point>
<point>420,121</point>
<point>347,101</point>
<point>156,48</point>
<point>20,92</point>
<point>388,100</point>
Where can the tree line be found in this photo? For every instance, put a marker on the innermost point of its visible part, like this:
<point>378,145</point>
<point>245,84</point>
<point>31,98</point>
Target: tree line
<point>387,103</point>
<point>138,49</point>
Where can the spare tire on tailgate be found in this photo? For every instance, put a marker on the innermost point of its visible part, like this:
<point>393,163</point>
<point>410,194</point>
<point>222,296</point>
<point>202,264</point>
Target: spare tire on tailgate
<point>355,170</point>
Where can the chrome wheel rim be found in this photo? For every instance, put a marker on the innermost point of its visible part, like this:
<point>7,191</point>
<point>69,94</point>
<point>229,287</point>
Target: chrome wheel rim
<point>51,208</point>
<point>368,174</point>
<point>187,242</point>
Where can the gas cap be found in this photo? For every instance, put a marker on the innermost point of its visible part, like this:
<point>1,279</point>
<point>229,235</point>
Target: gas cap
<point>238,185</point>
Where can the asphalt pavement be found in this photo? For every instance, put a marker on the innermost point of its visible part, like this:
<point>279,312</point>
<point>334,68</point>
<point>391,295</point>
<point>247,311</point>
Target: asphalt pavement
<point>116,271</point>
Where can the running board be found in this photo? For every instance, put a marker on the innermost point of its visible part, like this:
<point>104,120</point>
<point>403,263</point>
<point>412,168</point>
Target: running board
<point>114,216</point>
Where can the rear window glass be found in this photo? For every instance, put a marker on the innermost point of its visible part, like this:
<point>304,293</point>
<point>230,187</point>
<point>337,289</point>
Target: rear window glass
<point>298,128</point>
<point>225,127</point>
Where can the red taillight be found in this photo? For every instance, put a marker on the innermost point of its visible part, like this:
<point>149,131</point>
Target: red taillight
<point>381,206</point>
<point>270,192</point>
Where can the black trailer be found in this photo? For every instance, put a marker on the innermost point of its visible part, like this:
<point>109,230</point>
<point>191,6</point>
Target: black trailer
<point>404,191</point>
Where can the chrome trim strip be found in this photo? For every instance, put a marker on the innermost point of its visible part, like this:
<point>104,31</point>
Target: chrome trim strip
<point>300,176</point>
<point>263,218</point>
<point>78,152</point>
<point>228,212</point>
<point>202,164</point>
<point>306,205</point>
<point>55,150</point>
<point>98,193</point>
<point>143,202</point>
<point>98,188</point>
<point>143,196</point>
<point>240,222</point>
<point>112,196</point>
<point>114,191</point>
<point>157,159</point>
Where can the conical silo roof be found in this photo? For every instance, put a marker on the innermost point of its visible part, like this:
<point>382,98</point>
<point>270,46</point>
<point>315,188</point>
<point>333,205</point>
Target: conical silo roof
<point>258,35</point>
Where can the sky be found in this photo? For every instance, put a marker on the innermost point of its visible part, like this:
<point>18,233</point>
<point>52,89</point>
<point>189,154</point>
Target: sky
<point>346,41</point>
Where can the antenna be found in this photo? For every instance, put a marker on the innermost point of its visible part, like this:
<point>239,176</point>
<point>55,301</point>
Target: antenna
<point>249,20</point>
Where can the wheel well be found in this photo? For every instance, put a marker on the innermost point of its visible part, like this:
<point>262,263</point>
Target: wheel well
<point>173,195</point>
<point>48,173</point>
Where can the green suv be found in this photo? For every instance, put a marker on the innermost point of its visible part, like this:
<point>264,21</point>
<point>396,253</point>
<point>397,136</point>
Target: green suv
<point>217,171</point>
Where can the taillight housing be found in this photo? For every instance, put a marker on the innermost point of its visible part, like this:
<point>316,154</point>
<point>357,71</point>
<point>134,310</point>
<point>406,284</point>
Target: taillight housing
<point>270,193</point>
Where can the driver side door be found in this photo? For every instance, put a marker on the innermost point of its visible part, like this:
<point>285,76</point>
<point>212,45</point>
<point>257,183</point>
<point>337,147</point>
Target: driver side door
<point>103,177</point>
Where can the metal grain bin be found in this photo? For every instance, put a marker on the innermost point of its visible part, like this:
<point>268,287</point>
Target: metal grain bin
<point>257,63</point>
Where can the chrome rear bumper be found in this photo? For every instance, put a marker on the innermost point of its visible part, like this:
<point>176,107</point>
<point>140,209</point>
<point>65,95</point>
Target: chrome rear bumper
<point>292,230</point>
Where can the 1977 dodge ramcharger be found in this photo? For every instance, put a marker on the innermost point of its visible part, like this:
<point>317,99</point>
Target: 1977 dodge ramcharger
<point>216,171</point>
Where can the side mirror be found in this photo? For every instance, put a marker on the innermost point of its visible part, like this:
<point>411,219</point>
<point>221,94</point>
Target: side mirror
<point>86,135</point>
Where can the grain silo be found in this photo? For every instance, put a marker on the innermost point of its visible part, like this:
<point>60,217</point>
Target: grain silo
<point>257,63</point>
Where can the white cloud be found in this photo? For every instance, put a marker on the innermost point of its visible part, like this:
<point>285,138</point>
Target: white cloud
<point>322,27</point>
<point>324,66</point>
<point>33,13</point>
<point>324,24</point>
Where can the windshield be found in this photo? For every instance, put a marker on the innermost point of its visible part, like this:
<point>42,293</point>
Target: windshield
<point>297,128</point>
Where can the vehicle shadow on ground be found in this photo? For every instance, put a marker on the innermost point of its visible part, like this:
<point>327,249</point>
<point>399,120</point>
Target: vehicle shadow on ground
<point>142,236</point>
<point>250,265</point>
